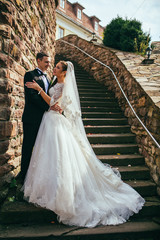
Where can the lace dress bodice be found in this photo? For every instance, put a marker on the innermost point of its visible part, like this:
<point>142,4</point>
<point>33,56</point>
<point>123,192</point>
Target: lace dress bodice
<point>55,93</point>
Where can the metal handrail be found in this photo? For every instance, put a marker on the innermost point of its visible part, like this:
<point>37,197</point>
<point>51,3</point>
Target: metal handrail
<point>119,87</point>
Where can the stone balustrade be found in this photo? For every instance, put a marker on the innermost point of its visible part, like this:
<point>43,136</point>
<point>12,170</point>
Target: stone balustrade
<point>130,73</point>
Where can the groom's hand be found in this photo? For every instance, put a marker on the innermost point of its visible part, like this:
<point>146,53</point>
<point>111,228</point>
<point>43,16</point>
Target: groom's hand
<point>56,108</point>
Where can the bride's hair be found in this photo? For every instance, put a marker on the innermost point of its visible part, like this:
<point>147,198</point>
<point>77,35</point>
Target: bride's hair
<point>64,65</point>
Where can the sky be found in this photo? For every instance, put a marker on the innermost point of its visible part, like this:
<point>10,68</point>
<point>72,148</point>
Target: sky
<point>145,11</point>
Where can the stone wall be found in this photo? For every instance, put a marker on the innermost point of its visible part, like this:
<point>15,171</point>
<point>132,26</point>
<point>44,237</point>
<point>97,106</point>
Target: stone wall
<point>26,27</point>
<point>143,105</point>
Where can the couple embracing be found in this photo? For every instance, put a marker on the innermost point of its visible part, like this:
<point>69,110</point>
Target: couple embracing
<point>60,170</point>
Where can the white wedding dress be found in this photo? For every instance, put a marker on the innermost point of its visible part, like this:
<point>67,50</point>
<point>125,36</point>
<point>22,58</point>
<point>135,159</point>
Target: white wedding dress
<point>66,177</point>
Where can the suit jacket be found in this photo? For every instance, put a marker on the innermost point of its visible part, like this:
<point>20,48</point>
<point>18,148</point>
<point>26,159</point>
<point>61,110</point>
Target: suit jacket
<point>35,106</point>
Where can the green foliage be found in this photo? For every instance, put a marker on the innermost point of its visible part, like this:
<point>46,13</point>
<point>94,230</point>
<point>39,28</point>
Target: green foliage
<point>126,35</point>
<point>13,183</point>
<point>11,199</point>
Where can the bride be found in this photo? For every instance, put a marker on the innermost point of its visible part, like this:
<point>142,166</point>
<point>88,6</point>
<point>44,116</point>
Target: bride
<point>65,175</point>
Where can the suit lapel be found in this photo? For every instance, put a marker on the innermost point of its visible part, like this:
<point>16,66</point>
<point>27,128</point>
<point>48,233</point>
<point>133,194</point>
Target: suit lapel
<point>38,79</point>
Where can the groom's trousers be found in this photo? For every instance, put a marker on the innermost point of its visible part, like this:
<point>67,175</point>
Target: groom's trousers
<point>29,136</point>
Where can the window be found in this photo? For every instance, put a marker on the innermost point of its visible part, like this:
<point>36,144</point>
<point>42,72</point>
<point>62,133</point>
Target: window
<point>60,32</point>
<point>79,14</point>
<point>96,26</point>
<point>62,2</point>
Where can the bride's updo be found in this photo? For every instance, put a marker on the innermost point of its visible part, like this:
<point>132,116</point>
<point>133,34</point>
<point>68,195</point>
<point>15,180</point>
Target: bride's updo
<point>64,65</point>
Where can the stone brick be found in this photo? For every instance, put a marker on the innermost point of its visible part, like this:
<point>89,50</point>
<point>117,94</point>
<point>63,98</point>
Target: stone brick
<point>18,113</point>
<point>4,73</point>
<point>3,85</point>
<point>5,113</point>
<point>4,146</point>
<point>14,76</point>
<point>6,18</point>
<point>4,99</point>
<point>18,152</point>
<point>8,129</point>
<point>26,63</point>
<point>14,163</point>
<point>5,60</point>
<point>5,31</point>
<point>5,169</point>
<point>5,45</point>
<point>6,156</point>
<point>19,69</point>
<point>15,52</point>
<point>6,6</point>
<point>13,143</point>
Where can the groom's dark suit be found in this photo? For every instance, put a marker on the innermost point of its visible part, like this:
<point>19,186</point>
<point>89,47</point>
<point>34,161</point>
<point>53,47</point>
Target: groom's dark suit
<point>34,109</point>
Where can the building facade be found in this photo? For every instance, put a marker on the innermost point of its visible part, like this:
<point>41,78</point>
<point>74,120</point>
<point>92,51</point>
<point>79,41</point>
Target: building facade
<point>71,19</point>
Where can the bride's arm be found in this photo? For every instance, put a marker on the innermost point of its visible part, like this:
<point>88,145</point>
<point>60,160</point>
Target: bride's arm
<point>35,86</point>
<point>51,101</point>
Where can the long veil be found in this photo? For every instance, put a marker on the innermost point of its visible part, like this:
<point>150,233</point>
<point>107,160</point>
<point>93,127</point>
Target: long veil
<point>70,103</point>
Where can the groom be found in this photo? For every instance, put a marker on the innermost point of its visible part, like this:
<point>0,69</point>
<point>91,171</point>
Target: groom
<point>34,109</point>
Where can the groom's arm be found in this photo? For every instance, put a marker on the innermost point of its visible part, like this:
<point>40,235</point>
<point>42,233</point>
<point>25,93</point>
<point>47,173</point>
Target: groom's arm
<point>32,95</point>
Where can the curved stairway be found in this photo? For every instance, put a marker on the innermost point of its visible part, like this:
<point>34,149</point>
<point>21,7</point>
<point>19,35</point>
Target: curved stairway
<point>110,136</point>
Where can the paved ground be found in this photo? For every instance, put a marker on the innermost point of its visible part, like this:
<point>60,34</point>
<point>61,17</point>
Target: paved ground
<point>60,231</point>
<point>148,75</point>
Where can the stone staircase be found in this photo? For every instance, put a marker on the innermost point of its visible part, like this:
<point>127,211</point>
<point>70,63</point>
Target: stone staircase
<point>110,136</point>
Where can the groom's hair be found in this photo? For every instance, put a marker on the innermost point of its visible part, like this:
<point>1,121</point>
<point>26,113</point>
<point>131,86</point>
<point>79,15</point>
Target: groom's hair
<point>40,55</point>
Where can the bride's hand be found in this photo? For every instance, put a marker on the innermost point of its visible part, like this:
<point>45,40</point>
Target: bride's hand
<point>33,85</point>
<point>56,108</point>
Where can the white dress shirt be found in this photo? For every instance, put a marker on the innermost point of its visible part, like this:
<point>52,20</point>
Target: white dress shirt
<point>44,78</point>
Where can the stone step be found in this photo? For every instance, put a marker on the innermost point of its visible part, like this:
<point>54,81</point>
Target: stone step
<point>102,149</point>
<point>111,138</point>
<point>107,129</point>
<point>99,104</point>
<point>145,228</point>
<point>134,172</point>
<point>97,99</point>
<point>95,94</point>
<point>102,109</point>
<point>151,207</point>
<point>145,188</point>
<point>82,73</point>
<point>102,115</point>
<point>88,84</point>
<point>104,121</point>
<point>96,90</point>
<point>92,89</point>
<point>24,212</point>
<point>89,87</point>
<point>83,77</point>
<point>122,160</point>
<point>85,81</point>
